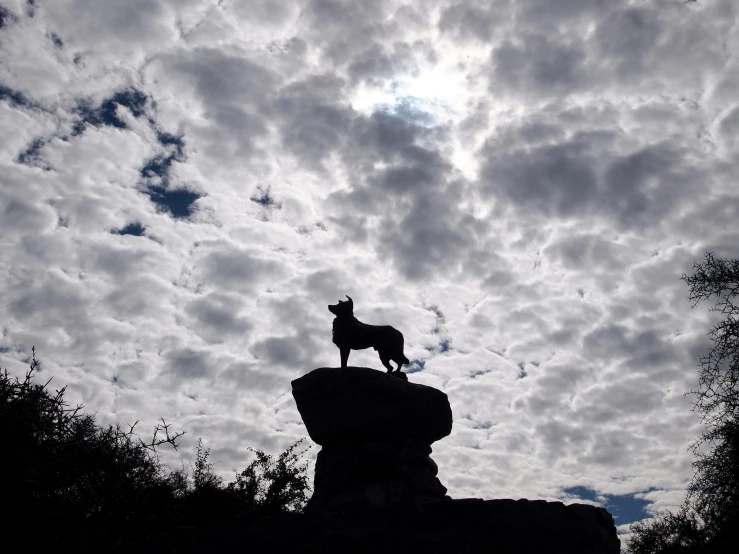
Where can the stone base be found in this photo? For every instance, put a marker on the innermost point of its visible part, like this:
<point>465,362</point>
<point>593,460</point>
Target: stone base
<point>376,430</point>
<point>373,474</point>
<point>455,526</point>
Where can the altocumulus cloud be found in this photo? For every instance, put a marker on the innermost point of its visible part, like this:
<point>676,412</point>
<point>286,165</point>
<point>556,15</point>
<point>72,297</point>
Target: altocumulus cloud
<point>516,185</point>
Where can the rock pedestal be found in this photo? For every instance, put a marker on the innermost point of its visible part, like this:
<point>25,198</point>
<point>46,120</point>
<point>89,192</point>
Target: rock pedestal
<point>376,488</point>
<point>376,430</point>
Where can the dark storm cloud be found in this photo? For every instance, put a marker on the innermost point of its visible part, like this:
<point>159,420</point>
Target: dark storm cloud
<point>376,64</point>
<point>587,172</point>
<point>539,65</point>
<point>6,16</point>
<point>187,363</point>
<point>232,268</point>
<point>386,136</point>
<point>232,93</point>
<point>470,20</point>
<point>624,41</point>
<point>587,252</point>
<point>106,26</point>
<point>420,169</point>
<point>562,438</point>
<point>557,179</point>
<point>292,351</point>
<point>120,260</point>
<point>19,214</point>
<point>644,186</point>
<point>215,317</point>
<point>56,40</point>
<point>432,238</point>
<point>613,401</point>
<point>140,296</point>
<point>327,285</point>
<point>314,118</point>
<point>14,97</point>
<point>544,13</point>
<point>636,350</point>
<point>283,351</point>
<point>221,79</point>
<point>249,377</point>
<point>411,192</point>
<point>345,29</point>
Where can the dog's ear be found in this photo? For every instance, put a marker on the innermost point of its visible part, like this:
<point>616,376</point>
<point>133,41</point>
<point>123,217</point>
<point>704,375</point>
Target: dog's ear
<point>351,302</point>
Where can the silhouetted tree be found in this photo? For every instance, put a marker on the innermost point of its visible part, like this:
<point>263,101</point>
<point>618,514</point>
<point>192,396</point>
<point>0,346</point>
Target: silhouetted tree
<point>69,484</point>
<point>270,485</point>
<point>709,518</point>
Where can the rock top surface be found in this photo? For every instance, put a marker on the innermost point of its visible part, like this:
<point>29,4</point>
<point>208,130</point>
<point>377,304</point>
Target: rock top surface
<point>340,404</point>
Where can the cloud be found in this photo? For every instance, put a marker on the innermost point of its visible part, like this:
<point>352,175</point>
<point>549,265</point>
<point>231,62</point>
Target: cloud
<point>538,65</point>
<point>215,317</point>
<point>516,186</point>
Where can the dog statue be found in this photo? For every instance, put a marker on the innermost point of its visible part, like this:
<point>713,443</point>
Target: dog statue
<point>351,334</point>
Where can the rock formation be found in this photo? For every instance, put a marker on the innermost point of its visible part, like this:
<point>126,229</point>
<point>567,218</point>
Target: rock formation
<point>467,526</point>
<point>376,489</point>
<point>376,430</point>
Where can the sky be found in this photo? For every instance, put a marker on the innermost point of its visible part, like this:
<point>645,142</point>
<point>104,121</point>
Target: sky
<point>515,185</point>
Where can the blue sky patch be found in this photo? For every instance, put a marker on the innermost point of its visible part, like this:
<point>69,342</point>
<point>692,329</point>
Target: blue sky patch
<point>56,40</point>
<point>624,508</point>
<point>265,199</point>
<point>135,229</point>
<point>178,202</point>
<point>5,17</point>
<point>132,99</point>
<point>32,154</point>
<point>14,97</point>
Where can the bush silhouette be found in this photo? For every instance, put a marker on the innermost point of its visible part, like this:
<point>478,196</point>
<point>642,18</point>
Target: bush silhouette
<point>69,484</point>
<point>708,520</point>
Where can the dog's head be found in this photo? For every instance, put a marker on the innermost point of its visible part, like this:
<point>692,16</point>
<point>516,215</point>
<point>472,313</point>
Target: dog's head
<point>343,308</point>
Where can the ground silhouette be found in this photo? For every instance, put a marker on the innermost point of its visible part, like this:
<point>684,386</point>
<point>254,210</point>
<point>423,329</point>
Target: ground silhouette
<point>71,485</point>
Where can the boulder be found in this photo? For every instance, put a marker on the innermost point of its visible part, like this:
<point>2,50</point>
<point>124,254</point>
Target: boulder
<point>343,404</point>
<point>376,429</point>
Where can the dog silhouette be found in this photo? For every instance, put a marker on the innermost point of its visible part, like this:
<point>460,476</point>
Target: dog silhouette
<point>351,334</point>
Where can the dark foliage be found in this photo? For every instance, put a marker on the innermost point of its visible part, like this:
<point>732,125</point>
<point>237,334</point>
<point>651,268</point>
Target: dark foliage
<point>709,518</point>
<point>670,533</point>
<point>717,399</point>
<point>69,484</point>
<point>271,485</point>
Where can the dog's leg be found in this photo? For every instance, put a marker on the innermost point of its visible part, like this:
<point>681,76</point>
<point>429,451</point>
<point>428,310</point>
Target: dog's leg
<point>344,356</point>
<point>386,363</point>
